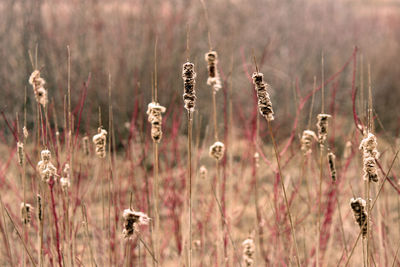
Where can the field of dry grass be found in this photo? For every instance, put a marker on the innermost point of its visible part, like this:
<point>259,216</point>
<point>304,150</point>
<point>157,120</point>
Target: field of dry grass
<point>288,124</point>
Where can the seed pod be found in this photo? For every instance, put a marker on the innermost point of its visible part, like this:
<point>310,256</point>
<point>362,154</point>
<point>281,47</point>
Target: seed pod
<point>85,141</point>
<point>217,150</point>
<point>322,126</point>
<point>332,165</point>
<point>131,220</point>
<point>306,141</point>
<point>25,132</point>
<point>370,154</point>
<point>347,150</point>
<point>38,88</point>
<point>65,180</point>
<point>20,153</point>
<point>257,159</point>
<point>154,111</point>
<point>203,172</point>
<point>26,210</point>
<point>264,102</point>
<point>189,82</point>
<point>360,215</point>
<point>213,76</point>
<point>45,168</point>
<point>40,207</point>
<point>100,142</point>
<point>248,252</point>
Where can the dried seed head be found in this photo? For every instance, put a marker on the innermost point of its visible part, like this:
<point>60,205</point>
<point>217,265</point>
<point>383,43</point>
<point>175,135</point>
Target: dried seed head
<point>257,159</point>
<point>264,102</point>
<point>203,172</point>
<point>46,169</point>
<point>25,132</point>
<point>38,88</point>
<point>322,126</point>
<point>45,156</point>
<point>189,92</point>
<point>85,141</point>
<point>370,170</point>
<point>26,210</point>
<point>154,111</point>
<point>369,146</point>
<point>39,206</point>
<point>370,154</point>
<point>248,252</point>
<point>306,141</point>
<point>358,207</point>
<point>332,165</point>
<point>65,180</point>
<point>217,150</point>
<point>100,142</point>
<point>213,76</point>
<point>131,220</point>
<point>20,153</point>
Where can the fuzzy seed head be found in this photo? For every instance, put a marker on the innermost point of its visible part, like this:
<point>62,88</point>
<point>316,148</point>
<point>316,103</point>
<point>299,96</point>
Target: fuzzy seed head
<point>358,206</point>
<point>131,220</point>
<point>26,210</point>
<point>154,112</point>
<point>264,101</point>
<point>213,76</point>
<point>189,82</point>
<point>100,142</point>
<point>85,141</point>
<point>203,172</point>
<point>217,150</point>
<point>332,165</point>
<point>20,153</point>
<point>322,126</point>
<point>306,141</point>
<point>248,252</point>
<point>38,88</point>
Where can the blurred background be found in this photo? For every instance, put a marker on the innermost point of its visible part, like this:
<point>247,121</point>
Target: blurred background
<point>117,37</point>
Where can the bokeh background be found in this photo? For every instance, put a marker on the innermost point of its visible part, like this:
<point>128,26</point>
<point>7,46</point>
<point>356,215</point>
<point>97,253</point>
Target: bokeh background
<point>118,37</point>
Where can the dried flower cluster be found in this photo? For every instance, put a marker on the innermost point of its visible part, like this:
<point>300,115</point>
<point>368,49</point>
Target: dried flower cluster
<point>26,210</point>
<point>213,76</point>
<point>38,88</point>
<point>189,92</point>
<point>306,141</point>
<point>264,102</point>
<point>358,207</point>
<point>322,126</point>
<point>217,150</point>
<point>46,169</point>
<point>65,179</point>
<point>20,153</point>
<point>154,111</point>
<point>131,220</point>
<point>248,252</point>
<point>370,154</point>
<point>100,142</point>
<point>332,165</point>
<point>203,172</point>
<point>85,141</point>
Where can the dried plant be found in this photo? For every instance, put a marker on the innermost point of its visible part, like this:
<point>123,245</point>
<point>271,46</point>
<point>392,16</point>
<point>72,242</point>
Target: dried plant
<point>132,219</point>
<point>322,126</point>
<point>214,79</point>
<point>26,210</point>
<point>154,112</point>
<point>20,153</point>
<point>358,206</point>
<point>38,88</point>
<point>100,142</point>
<point>217,150</point>
<point>332,165</point>
<point>85,141</point>
<point>189,82</point>
<point>306,141</point>
<point>370,154</point>
<point>264,102</point>
<point>248,251</point>
<point>46,169</point>
<point>203,172</point>
<point>65,179</point>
